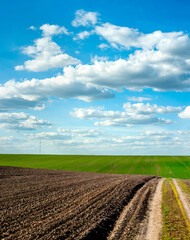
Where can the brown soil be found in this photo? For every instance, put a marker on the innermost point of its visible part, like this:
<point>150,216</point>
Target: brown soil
<point>52,204</point>
<point>131,219</point>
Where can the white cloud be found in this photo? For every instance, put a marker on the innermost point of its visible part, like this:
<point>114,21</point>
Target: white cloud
<point>134,120</point>
<point>95,113</point>
<point>46,53</point>
<point>185,114</point>
<point>139,99</point>
<point>82,35</point>
<point>19,67</point>
<point>134,114</point>
<point>68,134</point>
<point>141,108</point>
<point>161,61</point>
<point>29,94</point>
<point>83,18</point>
<point>21,121</point>
<point>89,133</point>
<point>162,65</point>
<point>51,136</point>
<point>118,35</point>
<point>140,71</point>
<point>94,141</point>
<point>122,119</point>
<point>99,59</point>
<point>103,46</point>
<point>156,133</point>
<point>32,28</point>
<point>50,30</point>
<point>130,37</point>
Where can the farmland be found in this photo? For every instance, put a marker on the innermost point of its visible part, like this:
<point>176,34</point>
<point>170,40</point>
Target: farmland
<point>164,166</point>
<point>53,204</point>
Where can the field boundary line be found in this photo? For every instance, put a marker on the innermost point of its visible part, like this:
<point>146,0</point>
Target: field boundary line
<point>181,206</point>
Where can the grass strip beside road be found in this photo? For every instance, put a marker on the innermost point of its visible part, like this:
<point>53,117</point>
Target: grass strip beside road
<point>175,222</point>
<point>185,187</point>
<point>180,206</point>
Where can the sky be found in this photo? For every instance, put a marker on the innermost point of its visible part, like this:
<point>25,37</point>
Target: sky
<point>95,77</point>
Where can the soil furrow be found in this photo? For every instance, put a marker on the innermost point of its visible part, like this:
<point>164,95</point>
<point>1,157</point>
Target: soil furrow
<point>52,204</point>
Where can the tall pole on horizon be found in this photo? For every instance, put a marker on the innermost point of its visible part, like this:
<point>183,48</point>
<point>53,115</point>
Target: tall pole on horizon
<point>40,147</point>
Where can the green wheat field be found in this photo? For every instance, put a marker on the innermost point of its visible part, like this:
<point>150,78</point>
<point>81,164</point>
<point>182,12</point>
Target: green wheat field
<point>164,166</point>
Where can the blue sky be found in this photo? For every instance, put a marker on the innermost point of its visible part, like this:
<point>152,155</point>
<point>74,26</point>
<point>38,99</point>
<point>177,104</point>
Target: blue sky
<point>96,77</point>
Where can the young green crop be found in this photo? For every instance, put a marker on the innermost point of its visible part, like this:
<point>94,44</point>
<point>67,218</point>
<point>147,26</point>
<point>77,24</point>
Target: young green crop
<point>164,166</point>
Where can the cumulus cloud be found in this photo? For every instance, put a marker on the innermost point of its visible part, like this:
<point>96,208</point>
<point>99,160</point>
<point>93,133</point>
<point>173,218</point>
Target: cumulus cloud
<point>140,71</point>
<point>28,94</point>
<point>141,108</point>
<point>21,121</point>
<point>51,30</point>
<point>10,102</point>
<point>185,114</point>
<point>160,61</point>
<point>118,35</point>
<point>83,18</point>
<point>130,37</point>
<point>132,115</point>
<point>45,52</point>
<point>134,120</point>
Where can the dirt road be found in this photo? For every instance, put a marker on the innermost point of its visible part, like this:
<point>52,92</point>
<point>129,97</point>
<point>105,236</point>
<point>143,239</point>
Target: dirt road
<point>151,227</point>
<point>154,227</point>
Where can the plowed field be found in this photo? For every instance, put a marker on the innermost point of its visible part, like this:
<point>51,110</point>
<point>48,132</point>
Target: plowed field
<point>52,204</point>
